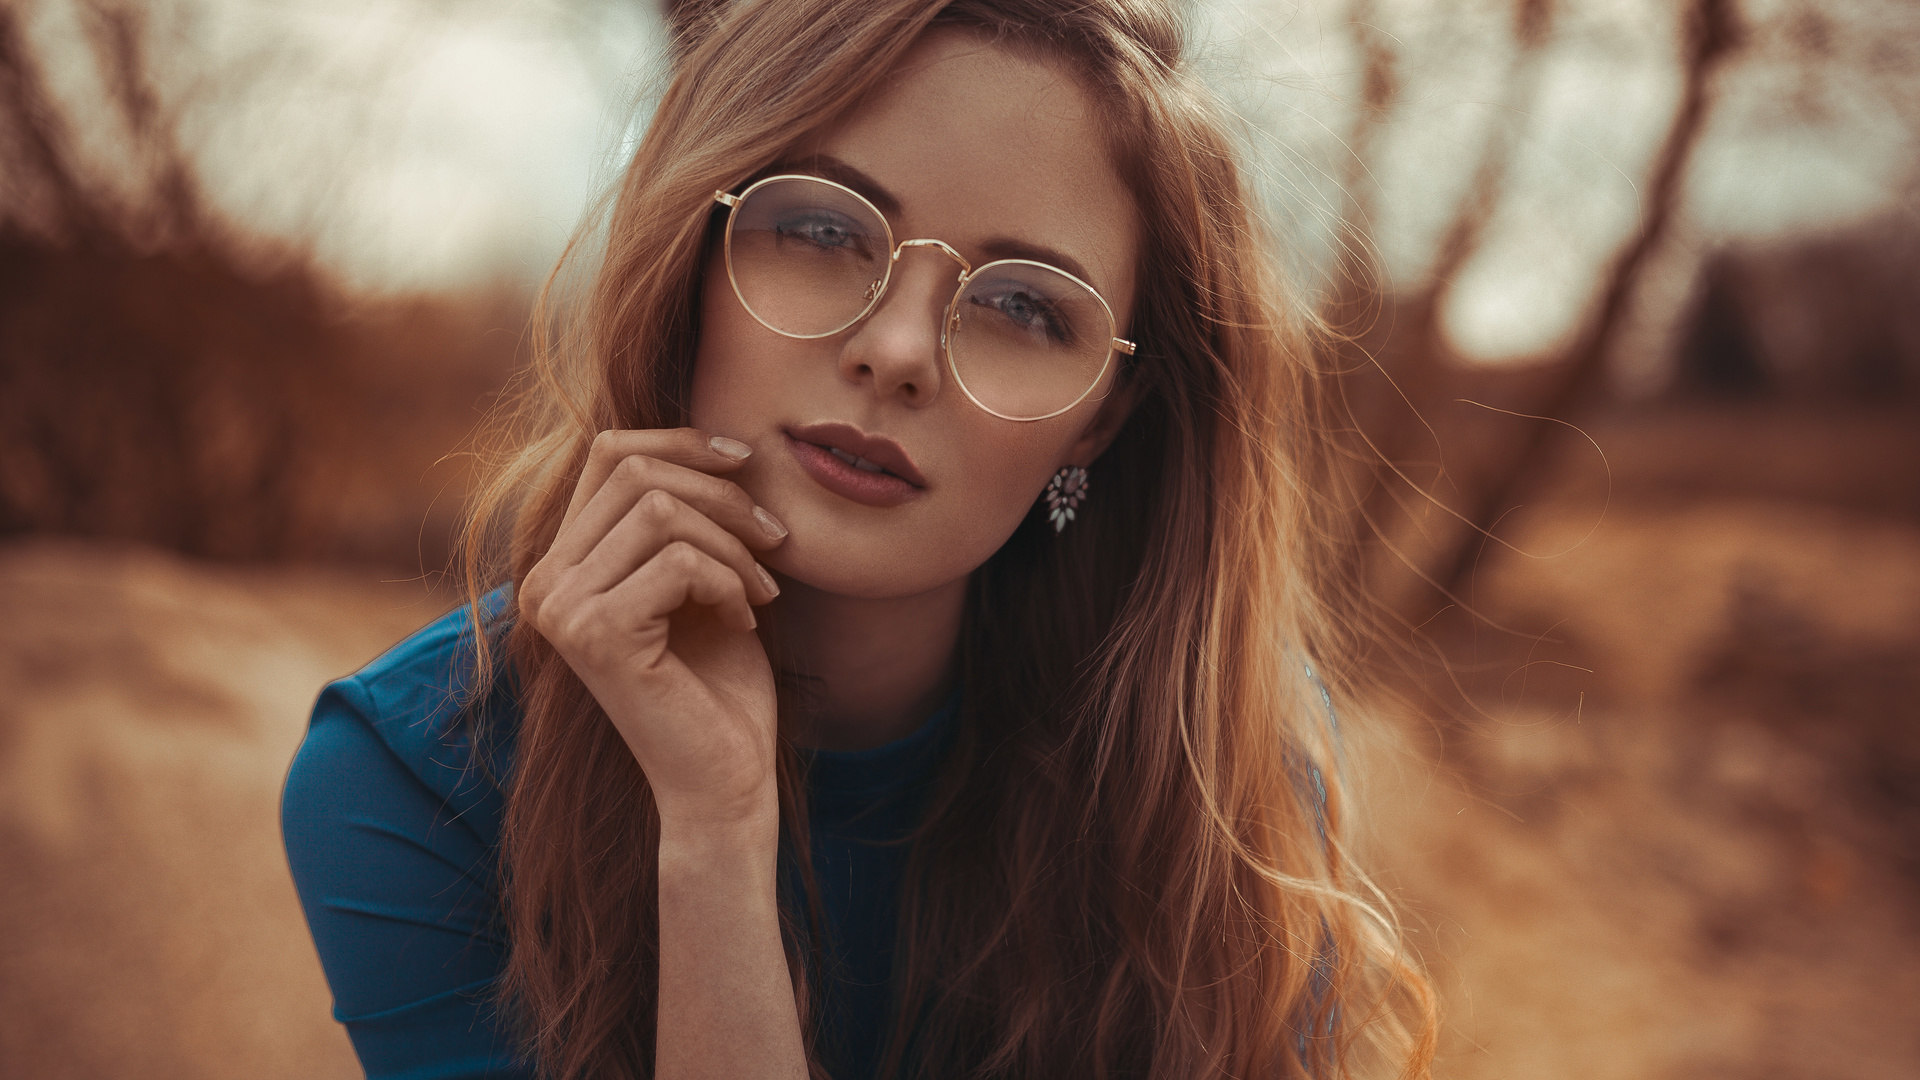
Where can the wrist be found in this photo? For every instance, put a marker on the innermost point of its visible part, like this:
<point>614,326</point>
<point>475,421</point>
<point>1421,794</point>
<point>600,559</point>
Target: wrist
<point>708,838</point>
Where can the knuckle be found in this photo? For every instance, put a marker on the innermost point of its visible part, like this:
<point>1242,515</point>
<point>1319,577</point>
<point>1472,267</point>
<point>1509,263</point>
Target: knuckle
<point>559,633</point>
<point>716,490</point>
<point>734,496</point>
<point>657,506</point>
<point>681,556</point>
<point>533,591</point>
<point>633,469</point>
<point>548,619</point>
<point>575,628</point>
<point>604,443</point>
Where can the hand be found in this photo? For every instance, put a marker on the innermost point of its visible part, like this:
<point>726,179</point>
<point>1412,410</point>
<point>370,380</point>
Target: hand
<point>646,594</point>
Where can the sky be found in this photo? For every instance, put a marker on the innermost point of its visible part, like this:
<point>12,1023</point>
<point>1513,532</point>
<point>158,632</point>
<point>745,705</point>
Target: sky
<point>1782,155</point>
<point>439,145</point>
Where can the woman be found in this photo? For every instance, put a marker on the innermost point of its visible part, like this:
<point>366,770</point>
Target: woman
<point>929,483</point>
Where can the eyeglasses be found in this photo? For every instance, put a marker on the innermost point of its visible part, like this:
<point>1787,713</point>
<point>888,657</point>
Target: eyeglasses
<point>809,258</point>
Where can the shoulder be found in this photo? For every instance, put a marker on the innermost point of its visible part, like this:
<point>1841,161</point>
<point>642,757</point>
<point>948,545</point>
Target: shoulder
<point>414,707</point>
<point>391,824</point>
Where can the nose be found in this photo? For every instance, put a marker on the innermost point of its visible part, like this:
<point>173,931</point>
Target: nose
<point>897,346</point>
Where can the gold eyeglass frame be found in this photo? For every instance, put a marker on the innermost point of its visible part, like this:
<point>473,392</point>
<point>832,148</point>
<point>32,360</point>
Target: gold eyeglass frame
<point>878,290</point>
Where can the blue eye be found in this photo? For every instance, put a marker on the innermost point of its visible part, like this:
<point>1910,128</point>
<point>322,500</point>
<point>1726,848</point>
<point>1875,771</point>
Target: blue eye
<point>822,229</point>
<point>1027,310</point>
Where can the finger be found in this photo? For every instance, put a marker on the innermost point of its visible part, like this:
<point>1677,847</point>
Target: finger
<point>719,499</point>
<point>688,447</point>
<point>656,520</point>
<point>679,575</point>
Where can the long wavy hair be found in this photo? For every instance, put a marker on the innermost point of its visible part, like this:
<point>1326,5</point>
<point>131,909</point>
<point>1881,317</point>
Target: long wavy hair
<point>1132,863</point>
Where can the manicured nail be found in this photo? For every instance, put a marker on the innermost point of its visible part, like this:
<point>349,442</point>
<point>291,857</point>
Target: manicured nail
<point>770,524</point>
<point>730,448</point>
<point>767,579</point>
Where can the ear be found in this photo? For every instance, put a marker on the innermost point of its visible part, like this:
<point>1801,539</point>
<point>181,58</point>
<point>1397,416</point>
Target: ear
<point>1115,407</point>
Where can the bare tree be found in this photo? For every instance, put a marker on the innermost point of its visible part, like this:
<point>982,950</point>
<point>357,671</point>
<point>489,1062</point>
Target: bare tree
<point>1405,369</point>
<point>1414,364</point>
<point>1712,33</point>
<point>161,382</point>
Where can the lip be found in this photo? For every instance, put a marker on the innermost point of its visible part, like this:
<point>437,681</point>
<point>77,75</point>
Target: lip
<point>878,449</point>
<point>812,446</point>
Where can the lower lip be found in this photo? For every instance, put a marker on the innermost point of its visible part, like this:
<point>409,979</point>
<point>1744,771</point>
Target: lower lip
<point>859,485</point>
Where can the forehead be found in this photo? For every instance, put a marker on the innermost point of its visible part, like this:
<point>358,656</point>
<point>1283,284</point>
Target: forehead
<point>978,142</point>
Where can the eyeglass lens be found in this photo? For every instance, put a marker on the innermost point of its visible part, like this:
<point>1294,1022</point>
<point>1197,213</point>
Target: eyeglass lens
<point>808,258</point>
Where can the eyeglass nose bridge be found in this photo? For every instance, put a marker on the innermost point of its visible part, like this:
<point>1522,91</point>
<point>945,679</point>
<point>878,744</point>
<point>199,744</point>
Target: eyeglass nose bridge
<point>879,285</point>
<point>966,268</point>
<point>950,319</point>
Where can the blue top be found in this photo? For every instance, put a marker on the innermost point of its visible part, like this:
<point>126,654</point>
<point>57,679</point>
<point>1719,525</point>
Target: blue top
<point>393,838</point>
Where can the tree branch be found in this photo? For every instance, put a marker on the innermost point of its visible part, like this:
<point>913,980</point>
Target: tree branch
<point>1712,34</point>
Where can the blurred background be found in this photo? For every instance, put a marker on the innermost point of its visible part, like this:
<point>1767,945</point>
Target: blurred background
<point>1628,307</point>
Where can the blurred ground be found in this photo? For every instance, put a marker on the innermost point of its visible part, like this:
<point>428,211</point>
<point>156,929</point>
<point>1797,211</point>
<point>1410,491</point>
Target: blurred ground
<point>1694,859</point>
<point>151,706</point>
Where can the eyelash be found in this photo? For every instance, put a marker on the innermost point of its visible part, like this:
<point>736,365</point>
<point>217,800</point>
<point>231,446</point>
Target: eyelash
<point>1045,310</point>
<point>810,228</point>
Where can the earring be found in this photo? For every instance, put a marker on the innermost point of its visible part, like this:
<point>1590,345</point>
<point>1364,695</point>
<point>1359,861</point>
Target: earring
<point>1065,491</point>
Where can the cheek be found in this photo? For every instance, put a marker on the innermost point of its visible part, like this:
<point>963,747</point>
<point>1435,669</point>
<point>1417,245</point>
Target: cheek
<point>715,379</point>
<point>734,368</point>
<point>1002,474</point>
<point>1001,469</point>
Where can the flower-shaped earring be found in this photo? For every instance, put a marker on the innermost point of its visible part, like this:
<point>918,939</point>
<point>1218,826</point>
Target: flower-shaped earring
<point>1065,491</point>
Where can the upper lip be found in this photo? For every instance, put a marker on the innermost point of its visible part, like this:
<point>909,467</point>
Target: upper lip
<point>878,449</point>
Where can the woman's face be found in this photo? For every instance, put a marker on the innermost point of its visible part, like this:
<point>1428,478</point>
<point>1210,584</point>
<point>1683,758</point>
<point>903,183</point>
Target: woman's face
<point>999,156</point>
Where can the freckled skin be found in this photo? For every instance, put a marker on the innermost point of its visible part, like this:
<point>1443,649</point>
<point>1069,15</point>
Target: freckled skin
<point>975,142</point>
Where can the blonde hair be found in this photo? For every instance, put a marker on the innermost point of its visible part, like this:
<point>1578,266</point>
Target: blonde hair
<point>1133,861</point>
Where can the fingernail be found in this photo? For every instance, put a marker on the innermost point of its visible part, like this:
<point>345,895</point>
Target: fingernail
<point>769,523</point>
<point>767,579</point>
<point>730,448</point>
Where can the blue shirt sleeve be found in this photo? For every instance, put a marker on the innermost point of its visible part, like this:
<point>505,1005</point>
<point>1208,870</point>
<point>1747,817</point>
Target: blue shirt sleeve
<point>392,838</point>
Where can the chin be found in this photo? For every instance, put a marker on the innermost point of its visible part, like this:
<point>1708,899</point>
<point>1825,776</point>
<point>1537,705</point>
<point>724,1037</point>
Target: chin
<point>863,571</point>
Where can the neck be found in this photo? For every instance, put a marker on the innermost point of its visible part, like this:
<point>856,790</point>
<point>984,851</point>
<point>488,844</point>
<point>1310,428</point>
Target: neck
<point>875,669</point>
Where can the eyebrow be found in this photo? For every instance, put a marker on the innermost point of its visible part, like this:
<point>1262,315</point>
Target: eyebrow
<point>1006,247</point>
<point>832,168</point>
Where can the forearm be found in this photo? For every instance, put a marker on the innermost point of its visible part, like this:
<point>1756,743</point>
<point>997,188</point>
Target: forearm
<point>726,1001</point>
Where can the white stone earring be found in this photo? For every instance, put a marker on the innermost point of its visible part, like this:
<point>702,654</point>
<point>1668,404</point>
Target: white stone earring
<point>1066,491</point>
